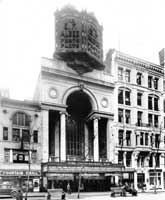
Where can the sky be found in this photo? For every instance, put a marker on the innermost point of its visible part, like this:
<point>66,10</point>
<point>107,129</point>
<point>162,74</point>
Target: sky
<point>135,27</point>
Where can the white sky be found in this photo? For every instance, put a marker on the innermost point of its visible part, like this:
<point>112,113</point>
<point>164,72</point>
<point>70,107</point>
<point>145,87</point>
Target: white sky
<point>27,34</point>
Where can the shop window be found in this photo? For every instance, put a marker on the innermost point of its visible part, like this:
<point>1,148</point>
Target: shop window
<point>5,133</point>
<point>35,136</point>
<point>127,75</point>
<point>16,134</point>
<point>120,74</point>
<point>120,115</point>
<point>139,99</point>
<point>127,116</point>
<point>139,78</point>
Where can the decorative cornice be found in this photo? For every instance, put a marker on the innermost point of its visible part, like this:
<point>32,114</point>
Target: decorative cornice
<point>26,104</point>
<point>122,57</point>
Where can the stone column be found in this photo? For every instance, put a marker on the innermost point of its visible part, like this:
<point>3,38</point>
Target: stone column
<point>109,141</point>
<point>57,142</point>
<point>45,137</point>
<point>86,142</point>
<point>96,140</point>
<point>63,136</point>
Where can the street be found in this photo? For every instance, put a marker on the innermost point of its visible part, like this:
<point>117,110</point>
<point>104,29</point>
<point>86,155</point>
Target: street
<point>105,196</point>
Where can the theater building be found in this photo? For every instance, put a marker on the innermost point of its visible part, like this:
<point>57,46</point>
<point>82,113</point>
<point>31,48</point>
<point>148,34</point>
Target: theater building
<point>91,123</point>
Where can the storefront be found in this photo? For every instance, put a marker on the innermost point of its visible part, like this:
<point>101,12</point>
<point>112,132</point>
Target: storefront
<point>19,178</point>
<point>91,176</point>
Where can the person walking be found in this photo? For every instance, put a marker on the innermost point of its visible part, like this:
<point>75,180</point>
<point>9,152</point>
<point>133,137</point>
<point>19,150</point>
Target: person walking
<point>68,188</point>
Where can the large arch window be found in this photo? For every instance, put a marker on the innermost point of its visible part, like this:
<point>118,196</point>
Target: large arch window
<point>21,125</point>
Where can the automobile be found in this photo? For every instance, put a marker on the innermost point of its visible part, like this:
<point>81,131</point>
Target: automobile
<point>7,189</point>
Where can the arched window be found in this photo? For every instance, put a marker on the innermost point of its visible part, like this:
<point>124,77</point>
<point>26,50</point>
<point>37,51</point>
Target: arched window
<point>21,119</point>
<point>21,126</point>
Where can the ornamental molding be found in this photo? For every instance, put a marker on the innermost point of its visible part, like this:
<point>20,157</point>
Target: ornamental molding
<point>129,60</point>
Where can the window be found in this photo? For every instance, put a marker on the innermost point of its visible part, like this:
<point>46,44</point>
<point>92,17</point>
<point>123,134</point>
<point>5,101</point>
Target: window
<point>139,78</point>
<point>5,133</point>
<point>146,139</point>
<point>120,74</point>
<point>124,97</point>
<point>127,98</point>
<point>139,99</point>
<point>35,136</point>
<point>157,140</point>
<point>150,122</point>
<point>149,81</point>
<point>6,155</point>
<point>127,75</point>
<point>156,83</point>
<point>156,104</point>
<point>120,115</point>
<point>141,138</point>
<point>150,102</point>
<point>21,119</point>
<point>16,135</point>
<point>127,116</point>
<point>128,138</point>
<point>25,135</point>
<point>120,137</point>
<point>156,122</point>
<point>128,159</point>
<point>120,97</point>
<point>139,118</point>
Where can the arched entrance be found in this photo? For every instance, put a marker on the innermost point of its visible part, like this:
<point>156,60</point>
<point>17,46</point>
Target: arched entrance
<point>78,108</point>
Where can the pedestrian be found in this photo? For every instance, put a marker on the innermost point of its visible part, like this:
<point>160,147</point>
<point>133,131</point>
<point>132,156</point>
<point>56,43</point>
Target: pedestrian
<point>68,189</point>
<point>63,195</point>
<point>19,195</point>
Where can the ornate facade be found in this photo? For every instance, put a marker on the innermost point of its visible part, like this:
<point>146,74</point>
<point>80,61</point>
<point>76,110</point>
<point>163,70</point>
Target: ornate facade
<point>94,123</point>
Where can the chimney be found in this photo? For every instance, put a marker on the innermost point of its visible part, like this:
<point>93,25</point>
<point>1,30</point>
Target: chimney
<point>162,57</point>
